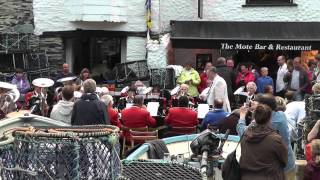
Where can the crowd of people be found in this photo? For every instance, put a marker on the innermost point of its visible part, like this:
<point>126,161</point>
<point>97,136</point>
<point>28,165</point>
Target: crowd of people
<point>263,111</point>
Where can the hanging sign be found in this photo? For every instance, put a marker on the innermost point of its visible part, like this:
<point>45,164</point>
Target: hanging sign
<point>271,46</point>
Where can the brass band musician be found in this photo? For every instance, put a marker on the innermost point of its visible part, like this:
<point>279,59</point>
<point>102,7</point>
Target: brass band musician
<point>177,93</point>
<point>7,104</point>
<point>36,100</point>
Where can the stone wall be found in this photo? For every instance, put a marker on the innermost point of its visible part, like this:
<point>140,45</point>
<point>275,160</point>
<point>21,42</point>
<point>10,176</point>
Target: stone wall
<point>16,16</point>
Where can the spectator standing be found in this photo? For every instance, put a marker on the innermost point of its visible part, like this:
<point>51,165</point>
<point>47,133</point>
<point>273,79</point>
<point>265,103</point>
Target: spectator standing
<point>278,123</point>
<point>311,68</point>
<point>226,74</point>
<point>190,77</point>
<point>316,73</point>
<point>89,110</point>
<point>62,111</point>
<point>263,80</point>
<point>203,77</point>
<point>263,152</point>
<point>297,79</point>
<point>282,70</point>
<point>244,76</point>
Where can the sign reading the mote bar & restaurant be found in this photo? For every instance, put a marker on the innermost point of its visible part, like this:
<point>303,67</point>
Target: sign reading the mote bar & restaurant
<point>270,46</point>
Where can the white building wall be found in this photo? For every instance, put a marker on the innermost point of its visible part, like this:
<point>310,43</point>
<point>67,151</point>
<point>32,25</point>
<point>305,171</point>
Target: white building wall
<point>55,15</point>
<point>232,10</point>
<point>136,49</point>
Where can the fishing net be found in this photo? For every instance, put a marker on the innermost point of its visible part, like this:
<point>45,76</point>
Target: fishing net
<point>84,152</point>
<point>158,170</point>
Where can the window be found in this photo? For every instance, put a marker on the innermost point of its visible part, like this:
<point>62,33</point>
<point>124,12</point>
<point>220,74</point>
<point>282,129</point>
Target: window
<point>269,3</point>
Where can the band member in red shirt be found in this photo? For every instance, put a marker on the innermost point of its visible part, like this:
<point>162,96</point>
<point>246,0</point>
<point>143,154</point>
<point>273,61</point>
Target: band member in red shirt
<point>137,116</point>
<point>113,114</point>
<point>182,116</point>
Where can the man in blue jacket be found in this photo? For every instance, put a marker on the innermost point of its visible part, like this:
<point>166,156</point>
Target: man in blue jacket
<point>214,117</point>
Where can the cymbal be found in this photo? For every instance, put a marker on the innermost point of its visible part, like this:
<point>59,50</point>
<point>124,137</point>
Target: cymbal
<point>67,79</point>
<point>43,82</point>
<point>6,85</point>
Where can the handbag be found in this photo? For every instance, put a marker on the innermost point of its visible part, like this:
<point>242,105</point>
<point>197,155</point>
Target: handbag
<point>231,167</point>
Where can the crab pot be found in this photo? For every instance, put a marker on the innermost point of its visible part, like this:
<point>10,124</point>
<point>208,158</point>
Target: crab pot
<point>83,152</point>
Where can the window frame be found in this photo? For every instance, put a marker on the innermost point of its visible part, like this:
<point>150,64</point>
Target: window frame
<point>253,3</point>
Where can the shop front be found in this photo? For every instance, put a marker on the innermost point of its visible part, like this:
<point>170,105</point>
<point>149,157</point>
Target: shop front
<point>257,42</point>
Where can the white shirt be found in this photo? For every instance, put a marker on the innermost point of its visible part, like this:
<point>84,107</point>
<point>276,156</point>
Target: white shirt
<point>295,112</point>
<point>295,80</point>
<point>280,75</point>
<point>218,90</point>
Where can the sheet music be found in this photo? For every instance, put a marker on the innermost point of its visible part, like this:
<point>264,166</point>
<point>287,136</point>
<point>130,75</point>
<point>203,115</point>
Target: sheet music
<point>153,107</point>
<point>203,109</point>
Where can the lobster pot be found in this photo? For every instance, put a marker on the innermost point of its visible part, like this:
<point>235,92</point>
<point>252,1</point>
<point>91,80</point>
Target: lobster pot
<point>84,152</point>
<point>158,170</point>
<point>7,161</point>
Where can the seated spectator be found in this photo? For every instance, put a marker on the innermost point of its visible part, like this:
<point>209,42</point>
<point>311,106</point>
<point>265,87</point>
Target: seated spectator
<point>230,122</point>
<point>263,80</point>
<point>263,152</point>
<point>137,116</point>
<point>62,111</point>
<point>312,170</point>
<point>182,116</point>
<point>89,110</point>
<point>21,81</point>
<point>216,116</point>
<point>113,114</point>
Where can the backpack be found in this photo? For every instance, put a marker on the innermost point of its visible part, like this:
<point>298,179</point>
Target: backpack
<point>231,167</point>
